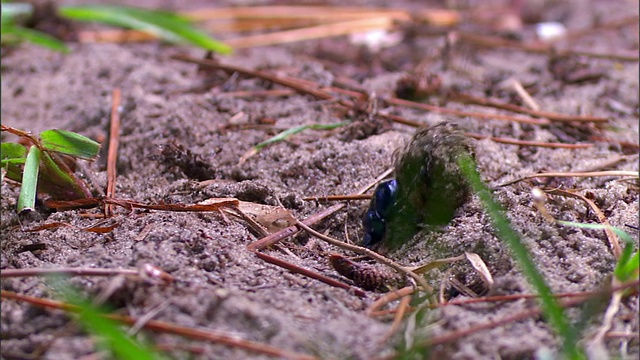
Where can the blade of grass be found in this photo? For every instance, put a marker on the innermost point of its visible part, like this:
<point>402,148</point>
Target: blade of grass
<point>14,33</point>
<point>69,143</point>
<point>552,310</point>
<point>112,338</point>
<point>289,132</point>
<point>27,197</point>
<point>621,233</point>
<point>168,26</point>
<point>13,155</point>
<point>58,180</point>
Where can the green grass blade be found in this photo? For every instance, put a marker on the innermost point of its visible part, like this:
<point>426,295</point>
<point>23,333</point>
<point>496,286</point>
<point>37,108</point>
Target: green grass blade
<point>29,189</point>
<point>111,337</point>
<point>12,153</point>
<point>162,24</point>
<point>12,156</point>
<point>14,33</point>
<point>551,309</point>
<point>621,233</point>
<point>59,183</point>
<point>287,133</point>
<point>69,143</point>
<point>629,263</point>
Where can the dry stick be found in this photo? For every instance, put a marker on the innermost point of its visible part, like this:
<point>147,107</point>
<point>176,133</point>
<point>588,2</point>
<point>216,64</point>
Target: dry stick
<point>321,13</point>
<point>439,17</point>
<point>6,273</point>
<point>255,73</point>
<point>164,327</point>
<point>251,94</point>
<point>373,310</point>
<point>397,319</point>
<point>524,94</point>
<point>520,316</point>
<point>469,99</point>
<point>300,270</point>
<point>611,25</point>
<point>392,296</point>
<point>121,35</point>
<point>269,17</point>
<point>401,120</point>
<point>574,174</point>
<point>529,143</point>
<point>442,110</point>
<point>295,84</point>
<point>146,271</point>
<point>372,254</point>
<point>338,197</point>
<point>313,32</point>
<point>612,238</point>
<point>489,41</point>
<point>389,297</point>
<point>112,159</point>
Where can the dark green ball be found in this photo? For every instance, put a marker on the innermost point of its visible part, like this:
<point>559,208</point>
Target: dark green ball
<point>430,184</point>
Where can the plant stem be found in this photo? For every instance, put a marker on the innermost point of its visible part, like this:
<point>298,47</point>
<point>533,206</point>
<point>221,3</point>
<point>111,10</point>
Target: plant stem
<point>552,310</point>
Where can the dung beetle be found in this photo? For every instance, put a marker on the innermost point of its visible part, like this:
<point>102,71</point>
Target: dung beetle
<point>374,221</point>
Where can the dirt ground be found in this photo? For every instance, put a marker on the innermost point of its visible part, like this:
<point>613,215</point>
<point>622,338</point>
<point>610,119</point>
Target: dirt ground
<point>221,286</point>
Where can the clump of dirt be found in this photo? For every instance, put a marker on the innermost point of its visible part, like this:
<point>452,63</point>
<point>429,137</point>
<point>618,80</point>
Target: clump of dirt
<point>183,146</point>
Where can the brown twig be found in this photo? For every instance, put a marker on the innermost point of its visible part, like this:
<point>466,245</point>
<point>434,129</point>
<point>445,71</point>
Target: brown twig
<point>216,205</point>
<point>99,227</point>
<point>612,238</point>
<point>573,174</point>
<point>509,319</point>
<point>468,99</point>
<point>321,94</point>
<point>255,73</point>
<point>389,297</point>
<point>7,273</point>
<point>164,327</point>
<point>397,319</point>
<point>112,159</point>
<point>338,197</point>
<point>460,113</point>
<point>309,273</point>
<point>611,25</point>
<point>323,13</point>
<point>313,32</point>
<point>145,271</point>
<point>496,42</point>
<point>392,296</point>
<point>510,141</point>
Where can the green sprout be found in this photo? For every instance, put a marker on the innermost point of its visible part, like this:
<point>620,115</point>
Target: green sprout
<point>13,33</point>
<point>42,168</point>
<point>288,133</point>
<point>628,265</point>
<point>552,310</point>
<point>165,25</point>
<point>94,319</point>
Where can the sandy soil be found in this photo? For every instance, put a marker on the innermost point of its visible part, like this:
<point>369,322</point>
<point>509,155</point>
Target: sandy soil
<point>222,286</point>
